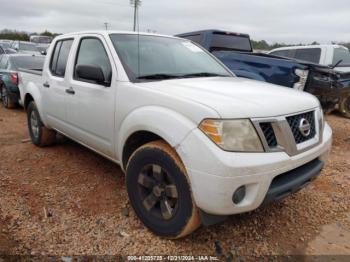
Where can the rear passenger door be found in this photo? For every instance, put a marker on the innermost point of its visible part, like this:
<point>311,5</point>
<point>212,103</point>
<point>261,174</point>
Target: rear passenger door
<point>54,85</point>
<point>91,106</point>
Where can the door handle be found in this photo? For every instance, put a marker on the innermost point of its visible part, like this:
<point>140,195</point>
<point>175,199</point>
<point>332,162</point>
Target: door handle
<point>70,91</point>
<point>47,85</point>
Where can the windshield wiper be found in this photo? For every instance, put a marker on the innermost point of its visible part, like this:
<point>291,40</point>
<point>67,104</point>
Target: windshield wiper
<point>158,76</point>
<point>202,74</point>
<point>337,63</point>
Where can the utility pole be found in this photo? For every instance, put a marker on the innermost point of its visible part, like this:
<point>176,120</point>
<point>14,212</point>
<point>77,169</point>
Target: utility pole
<point>136,4</point>
<point>106,25</point>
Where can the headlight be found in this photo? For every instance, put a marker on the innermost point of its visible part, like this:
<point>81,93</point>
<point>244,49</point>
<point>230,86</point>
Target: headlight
<point>232,135</point>
<point>303,75</point>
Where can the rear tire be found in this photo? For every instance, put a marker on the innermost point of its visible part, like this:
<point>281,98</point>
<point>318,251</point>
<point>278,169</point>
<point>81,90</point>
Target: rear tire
<point>39,134</point>
<point>159,191</point>
<point>344,107</point>
<point>7,100</point>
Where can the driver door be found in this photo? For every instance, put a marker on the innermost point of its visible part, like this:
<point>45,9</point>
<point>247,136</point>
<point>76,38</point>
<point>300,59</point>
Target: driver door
<point>90,105</point>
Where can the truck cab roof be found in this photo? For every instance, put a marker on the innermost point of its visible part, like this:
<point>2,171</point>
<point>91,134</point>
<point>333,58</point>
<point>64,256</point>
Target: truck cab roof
<point>309,46</point>
<point>109,32</point>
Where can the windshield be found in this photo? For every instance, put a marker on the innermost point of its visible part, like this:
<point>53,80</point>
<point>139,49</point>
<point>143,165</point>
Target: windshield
<point>28,47</point>
<point>341,54</point>
<point>29,62</point>
<point>162,58</point>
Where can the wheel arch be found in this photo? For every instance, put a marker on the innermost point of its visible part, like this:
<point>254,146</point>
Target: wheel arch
<point>32,93</point>
<point>149,124</point>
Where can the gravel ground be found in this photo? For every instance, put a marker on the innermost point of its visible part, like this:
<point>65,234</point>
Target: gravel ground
<point>66,200</point>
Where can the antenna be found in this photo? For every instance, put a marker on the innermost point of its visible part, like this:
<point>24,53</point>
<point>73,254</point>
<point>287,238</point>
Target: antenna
<point>136,4</point>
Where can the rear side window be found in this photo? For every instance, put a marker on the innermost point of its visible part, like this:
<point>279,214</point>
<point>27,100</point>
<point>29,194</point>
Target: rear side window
<point>92,52</point>
<point>229,42</point>
<point>312,55</point>
<point>60,57</point>
<point>194,38</point>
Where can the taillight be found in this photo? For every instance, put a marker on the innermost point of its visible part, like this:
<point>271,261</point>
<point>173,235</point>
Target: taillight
<point>14,78</point>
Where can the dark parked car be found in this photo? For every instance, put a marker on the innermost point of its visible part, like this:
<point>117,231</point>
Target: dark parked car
<point>25,47</point>
<point>236,52</point>
<point>10,66</point>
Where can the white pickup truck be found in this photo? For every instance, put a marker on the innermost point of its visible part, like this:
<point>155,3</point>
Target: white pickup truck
<point>196,143</point>
<point>336,56</point>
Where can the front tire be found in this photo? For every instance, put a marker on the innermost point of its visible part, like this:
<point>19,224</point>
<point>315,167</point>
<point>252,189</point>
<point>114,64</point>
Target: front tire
<point>159,191</point>
<point>345,107</point>
<point>39,134</point>
<point>7,100</point>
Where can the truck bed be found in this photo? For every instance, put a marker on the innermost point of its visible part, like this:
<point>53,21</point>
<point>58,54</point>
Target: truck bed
<point>28,77</point>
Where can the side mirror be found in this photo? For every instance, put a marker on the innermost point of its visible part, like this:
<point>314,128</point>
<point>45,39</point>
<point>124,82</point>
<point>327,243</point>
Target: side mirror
<point>91,73</point>
<point>43,52</point>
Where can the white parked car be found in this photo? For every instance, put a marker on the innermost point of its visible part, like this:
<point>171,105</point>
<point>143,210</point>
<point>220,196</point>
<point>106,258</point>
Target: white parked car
<point>196,143</point>
<point>328,55</point>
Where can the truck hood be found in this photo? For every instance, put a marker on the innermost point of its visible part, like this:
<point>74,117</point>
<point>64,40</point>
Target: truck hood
<point>234,97</point>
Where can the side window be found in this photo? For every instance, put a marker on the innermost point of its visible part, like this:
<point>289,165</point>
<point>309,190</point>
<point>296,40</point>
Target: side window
<point>312,55</point>
<point>60,57</point>
<point>92,53</point>
<point>2,51</point>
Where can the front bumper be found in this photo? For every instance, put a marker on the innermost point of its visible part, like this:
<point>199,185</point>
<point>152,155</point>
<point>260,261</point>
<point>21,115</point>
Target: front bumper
<point>216,174</point>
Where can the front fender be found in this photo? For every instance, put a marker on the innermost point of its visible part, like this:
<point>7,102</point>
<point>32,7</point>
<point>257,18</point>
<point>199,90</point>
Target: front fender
<point>166,123</point>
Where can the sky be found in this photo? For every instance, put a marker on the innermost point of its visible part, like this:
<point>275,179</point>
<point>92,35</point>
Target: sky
<point>288,21</point>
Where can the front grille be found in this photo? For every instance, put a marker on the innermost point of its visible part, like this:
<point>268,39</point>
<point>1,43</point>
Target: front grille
<point>269,134</point>
<point>294,123</point>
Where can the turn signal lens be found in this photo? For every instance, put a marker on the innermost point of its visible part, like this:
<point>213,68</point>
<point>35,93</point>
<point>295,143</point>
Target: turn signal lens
<point>211,129</point>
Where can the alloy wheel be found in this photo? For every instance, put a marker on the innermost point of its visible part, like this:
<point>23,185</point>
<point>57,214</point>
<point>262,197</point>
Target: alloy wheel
<point>158,192</point>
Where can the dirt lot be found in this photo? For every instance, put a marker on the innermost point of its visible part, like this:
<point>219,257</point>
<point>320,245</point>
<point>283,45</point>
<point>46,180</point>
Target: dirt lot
<point>66,200</point>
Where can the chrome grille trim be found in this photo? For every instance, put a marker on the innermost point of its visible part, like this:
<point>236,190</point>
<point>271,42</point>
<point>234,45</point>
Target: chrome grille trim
<point>284,135</point>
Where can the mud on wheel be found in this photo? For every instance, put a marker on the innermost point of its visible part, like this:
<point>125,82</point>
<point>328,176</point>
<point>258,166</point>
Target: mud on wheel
<point>39,134</point>
<point>159,191</point>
